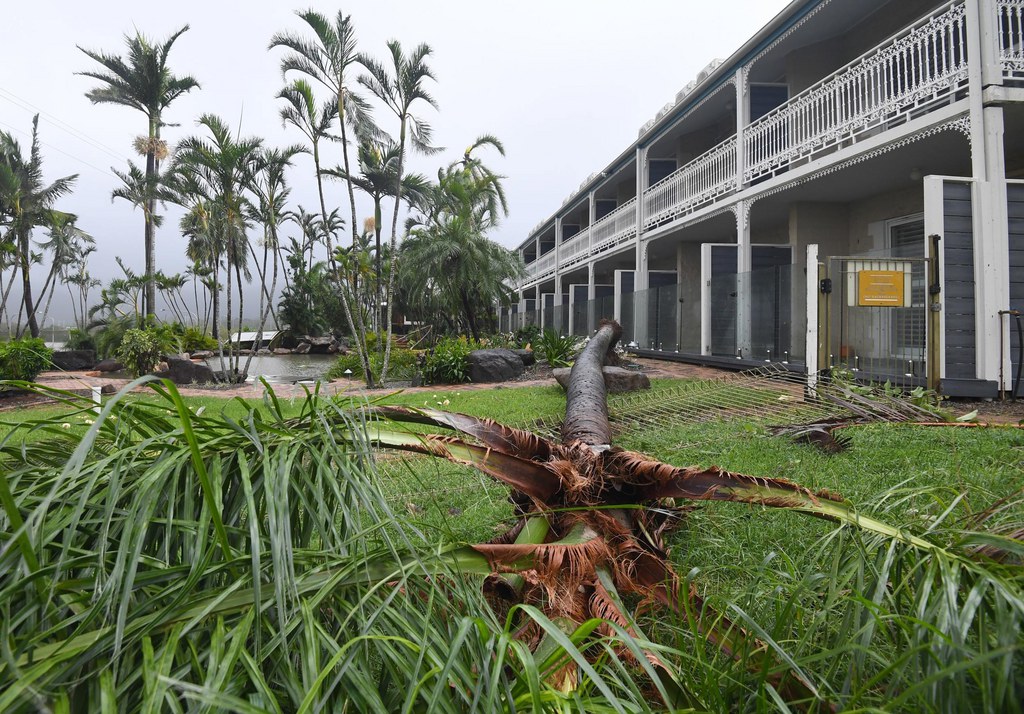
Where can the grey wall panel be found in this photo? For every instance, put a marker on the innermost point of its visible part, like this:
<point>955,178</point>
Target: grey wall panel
<point>958,290</point>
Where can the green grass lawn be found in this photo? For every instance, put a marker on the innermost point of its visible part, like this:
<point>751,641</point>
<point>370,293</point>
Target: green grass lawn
<point>923,471</point>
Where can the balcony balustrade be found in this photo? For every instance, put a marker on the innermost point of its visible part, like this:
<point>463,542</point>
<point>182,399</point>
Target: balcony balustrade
<point>696,184</point>
<point>1010,25</point>
<point>614,229</point>
<point>913,73</point>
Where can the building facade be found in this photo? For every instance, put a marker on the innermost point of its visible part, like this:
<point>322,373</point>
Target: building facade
<point>850,173</point>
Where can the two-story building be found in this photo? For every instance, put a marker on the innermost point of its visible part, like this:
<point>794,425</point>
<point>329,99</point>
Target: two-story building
<point>848,173</point>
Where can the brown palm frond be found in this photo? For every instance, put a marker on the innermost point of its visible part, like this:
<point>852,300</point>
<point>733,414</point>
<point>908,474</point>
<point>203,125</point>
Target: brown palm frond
<point>532,478</point>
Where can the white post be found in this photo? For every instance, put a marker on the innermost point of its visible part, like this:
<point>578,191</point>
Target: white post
<point>96,399</point>
<point>991,223</point>
<point>743,287</point>
<point>742,119</point>
<point>812,338</point>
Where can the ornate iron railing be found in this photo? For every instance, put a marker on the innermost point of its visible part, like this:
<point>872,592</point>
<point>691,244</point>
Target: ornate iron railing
<point>699,182</point>
<point>919,68</point>
<point>575,249</point>
<point>1010,26</point>
<point>615,228</point>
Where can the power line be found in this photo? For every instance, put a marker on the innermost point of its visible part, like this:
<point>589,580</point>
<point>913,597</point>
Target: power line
<point>105,172</point>
<point>59,123</point>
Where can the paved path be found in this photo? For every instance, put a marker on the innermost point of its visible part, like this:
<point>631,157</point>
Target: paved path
<point>82,382</point>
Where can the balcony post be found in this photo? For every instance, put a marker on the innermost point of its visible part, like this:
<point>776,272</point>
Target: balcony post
<point>742,84</point>
<point>591,295</point>
<point>640,277</point>
<point>743,267</point>
<point>991,222</point>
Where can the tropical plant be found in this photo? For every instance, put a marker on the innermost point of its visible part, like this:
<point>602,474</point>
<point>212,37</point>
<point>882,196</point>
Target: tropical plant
<point>24,359</point>
<point>404,365</point>
<point>400,86</point>
<point>142,80</point>
<point>330,60</point>
<point>449,256</point>
<point>27,203</point>
<point>446,362</point>
<point>79,339</point>
<point>139,351</point>
<point>557,349</point>
<point>378,168</point>
<point>212,176</point>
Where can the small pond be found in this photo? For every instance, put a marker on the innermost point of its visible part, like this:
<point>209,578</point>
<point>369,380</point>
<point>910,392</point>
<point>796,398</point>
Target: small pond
<point>283,369</point>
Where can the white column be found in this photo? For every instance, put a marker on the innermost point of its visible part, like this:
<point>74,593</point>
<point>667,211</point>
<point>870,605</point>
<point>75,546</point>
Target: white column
<point>743,266</point>
<point>812,337</point>
<point>640,277</point>
<point>991,223</point>
<point>742,120</point>
<point>591,295</point>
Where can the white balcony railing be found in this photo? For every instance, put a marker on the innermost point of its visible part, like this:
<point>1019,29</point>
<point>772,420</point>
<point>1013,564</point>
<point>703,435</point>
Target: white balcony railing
<point>1010,27</point>
<point>615,228</point>
<point>576,249</point>
<point>699,182</point>
<point>541,267</point>
<point>921,67</point>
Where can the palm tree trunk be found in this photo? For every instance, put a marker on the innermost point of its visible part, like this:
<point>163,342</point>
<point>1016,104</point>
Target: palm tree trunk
<point>393,258</point>
<point>586,402</point>
<point>152,167</point>
<point>26,286</point>
<point>467,307</point>
<point>357,326</point>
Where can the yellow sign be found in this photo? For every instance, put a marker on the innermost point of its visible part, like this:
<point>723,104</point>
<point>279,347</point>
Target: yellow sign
<point>881,288</point>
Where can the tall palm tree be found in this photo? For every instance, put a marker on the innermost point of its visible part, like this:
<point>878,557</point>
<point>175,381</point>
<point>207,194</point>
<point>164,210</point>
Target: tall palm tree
<point>401,86</point>
<point>271,192</point>
<point>315,123</point>
<point>330,60</point>
<point>142,80</point>
<point>26,203</point>
<point>68,248</point>
<point>223,166</point>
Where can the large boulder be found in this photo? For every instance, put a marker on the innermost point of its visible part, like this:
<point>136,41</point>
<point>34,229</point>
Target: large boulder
<point>302,348</point>
<point>185,371</point>
<point>326,345</point>
<point>109,365</point>
<point>494,365</point>
<point>74,360</point>
<point>616,379</point>
<point>202,354</point>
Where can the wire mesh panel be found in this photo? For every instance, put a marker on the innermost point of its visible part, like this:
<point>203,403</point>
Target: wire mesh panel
<point>878,316</point>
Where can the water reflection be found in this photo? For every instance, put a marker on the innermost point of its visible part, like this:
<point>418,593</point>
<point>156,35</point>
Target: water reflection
<point>283,369</point>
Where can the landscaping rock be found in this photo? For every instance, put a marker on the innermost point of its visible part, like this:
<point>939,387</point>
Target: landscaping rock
<point>526,356</point>
<point>302,348</point>
<point>322,345</point>
<point>263,352</point>
<point>108,388</point>
<point>109,365</point>
<point>74,360</point>
<point>494,365</point>
<point>202,354</point>
<point>281,351</point>
<point>184,371</point>
<point>616,379</point>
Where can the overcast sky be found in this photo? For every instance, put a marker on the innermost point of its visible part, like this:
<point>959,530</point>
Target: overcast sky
<point>565,86</point>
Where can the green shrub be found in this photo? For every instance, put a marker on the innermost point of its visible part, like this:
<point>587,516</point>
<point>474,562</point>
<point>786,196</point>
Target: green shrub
<point>193,339</point>
<point>79,340</point>
<point>139,351</point>
<point>526,336</point>
<point>557,350</point>
<point>24,359</point>
<point>401,367</point>
<point>446,363</point>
